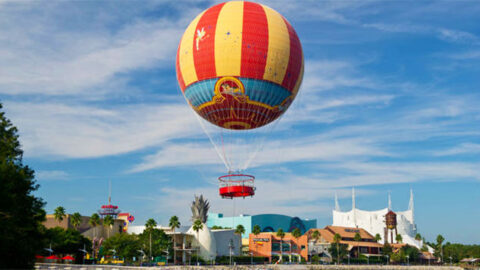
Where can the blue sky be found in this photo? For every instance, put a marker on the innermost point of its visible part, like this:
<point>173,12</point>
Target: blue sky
<point>389,102</point>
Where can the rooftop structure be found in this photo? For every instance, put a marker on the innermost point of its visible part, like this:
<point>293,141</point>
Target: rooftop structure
<point>374,221</point>
<point>109,209</point>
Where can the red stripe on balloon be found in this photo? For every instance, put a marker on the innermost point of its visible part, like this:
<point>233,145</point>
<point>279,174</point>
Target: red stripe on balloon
<point>204,46</point>
<point>294,61</point>
<point>254,41</point>
<point>181,82</point>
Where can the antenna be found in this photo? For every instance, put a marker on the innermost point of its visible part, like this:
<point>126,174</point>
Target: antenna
<point>109,191</point>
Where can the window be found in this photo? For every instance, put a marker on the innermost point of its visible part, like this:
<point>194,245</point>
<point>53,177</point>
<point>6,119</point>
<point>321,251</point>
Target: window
<point>303,247</point>
<point>275,246</point>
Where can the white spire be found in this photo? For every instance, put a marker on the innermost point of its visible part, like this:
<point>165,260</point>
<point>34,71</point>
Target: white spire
<point>389,201</point>
<point>410,204</point>
<point>353,198</point>
<point>353,207</point>
<point>337,206</point>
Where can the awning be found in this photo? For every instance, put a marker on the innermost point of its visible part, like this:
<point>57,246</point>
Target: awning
<point>52,257</point>
<point>68,258</point>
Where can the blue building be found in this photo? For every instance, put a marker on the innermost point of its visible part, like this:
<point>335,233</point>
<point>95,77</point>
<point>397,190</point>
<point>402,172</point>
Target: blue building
<point>267,222</point>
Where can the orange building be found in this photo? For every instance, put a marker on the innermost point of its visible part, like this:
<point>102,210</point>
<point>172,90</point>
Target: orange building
<point>267,244</point>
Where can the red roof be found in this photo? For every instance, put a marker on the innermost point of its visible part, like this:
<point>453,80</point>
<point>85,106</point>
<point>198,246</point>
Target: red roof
<point>68,257</point>
<point>38,257</point>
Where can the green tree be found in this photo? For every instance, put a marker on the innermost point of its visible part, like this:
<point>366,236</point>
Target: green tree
<point>67,241</point>
<point>149,226</point>
<point>357,238</point>
<point>108,222</point>
<point>336,239</point>
<point>197,226</point>
<point>256,231</point>
<point>377,237</point>
<point>281,235</point>
<point>94,221</point>
<point>296,233</point>
<point>174,224</point>
<point>338,251</point>
<point>439,246</point>
<point>161,242</point>
<point>76,219</point>
<point>399,238</point>
<point>387,249</point>
<point>59,213</point>
<point>240,229</point>
<point>125,245</point>
<point>21,212</point>
<point>316,235</point>
<point>418,237</point>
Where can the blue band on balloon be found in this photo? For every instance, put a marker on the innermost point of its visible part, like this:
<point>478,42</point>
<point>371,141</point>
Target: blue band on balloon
<point>257,90</point>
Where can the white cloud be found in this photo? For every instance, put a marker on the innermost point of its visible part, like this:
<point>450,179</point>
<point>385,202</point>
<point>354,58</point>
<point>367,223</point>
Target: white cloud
<point>80,131</point>
<point>46,57</point>
<point>464,148</point>
<point>54,175</point>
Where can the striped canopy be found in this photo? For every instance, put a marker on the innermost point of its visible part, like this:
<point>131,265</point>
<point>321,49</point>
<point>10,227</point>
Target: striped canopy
<point>239,65</point>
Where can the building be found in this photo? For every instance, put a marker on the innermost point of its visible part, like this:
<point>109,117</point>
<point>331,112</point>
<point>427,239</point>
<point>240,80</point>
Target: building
<point>268,244</point>
<point>374,221</point>
<point>84,228</point>
<point>186,243</point>
<point>367,244</point>
<point>267,222</point>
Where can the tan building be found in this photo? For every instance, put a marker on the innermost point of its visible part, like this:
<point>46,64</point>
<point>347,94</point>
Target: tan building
<point>268,244</point>
<point>367,245</point>
<point>84,228</point>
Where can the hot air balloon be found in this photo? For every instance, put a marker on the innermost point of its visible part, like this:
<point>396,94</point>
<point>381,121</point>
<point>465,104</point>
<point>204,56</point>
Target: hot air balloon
<point>239,66</point>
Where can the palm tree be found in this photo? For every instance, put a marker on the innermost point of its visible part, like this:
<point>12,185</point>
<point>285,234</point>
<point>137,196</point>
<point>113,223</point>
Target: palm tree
<point>76,220</point>
<point>281,234</point>
<point>336,239</point>
<point>399,238</point>
<point>357,238</point>
<point>440,240</point>
<point>240,229</point>
<point>174,224</point>
<point>418,237</point>
<point>377,237</point>
<point>296,233</point>
<point>94,221</point>
<point>149,226</point>
<point>197,226</point>
<point>256,231</point>
<point>59,213</point>
<point>108,223</point>
<point>316,235</point>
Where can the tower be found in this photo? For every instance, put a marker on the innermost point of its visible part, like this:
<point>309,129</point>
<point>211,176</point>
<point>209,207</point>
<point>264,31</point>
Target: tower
<point>390,226</point>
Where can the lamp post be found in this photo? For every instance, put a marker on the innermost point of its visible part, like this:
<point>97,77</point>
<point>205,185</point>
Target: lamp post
<point>408,259</point>
<point>230,246</point>
<point>166,261</point>
<point>450,260</point>
<point>84,251</point>
<point>348,255</point>
<point>251,258</point>
<point>388,259</point>
<point>368,258</point>
<point>143,256</point>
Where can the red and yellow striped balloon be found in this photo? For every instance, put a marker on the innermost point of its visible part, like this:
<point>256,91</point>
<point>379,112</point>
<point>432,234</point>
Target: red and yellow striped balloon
<point>240,65</point>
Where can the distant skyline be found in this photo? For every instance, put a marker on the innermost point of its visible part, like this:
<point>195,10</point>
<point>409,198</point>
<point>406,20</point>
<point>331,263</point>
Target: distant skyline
<point>389,102</point>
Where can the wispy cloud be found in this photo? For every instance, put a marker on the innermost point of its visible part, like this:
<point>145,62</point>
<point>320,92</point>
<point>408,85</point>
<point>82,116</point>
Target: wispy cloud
<point>464,148</point>
<point>80,131</point>
<point>54,175</point>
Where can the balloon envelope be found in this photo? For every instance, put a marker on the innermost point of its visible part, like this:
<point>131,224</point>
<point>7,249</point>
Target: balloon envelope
<point>239,65</point>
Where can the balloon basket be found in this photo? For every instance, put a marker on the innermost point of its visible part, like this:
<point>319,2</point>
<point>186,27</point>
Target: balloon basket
<point>236,186</point>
